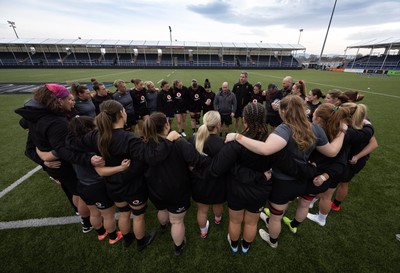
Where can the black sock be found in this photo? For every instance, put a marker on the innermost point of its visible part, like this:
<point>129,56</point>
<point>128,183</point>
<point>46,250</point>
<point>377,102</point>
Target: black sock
<point>142,241</point>
<point>128,239</point>
<point>86,221</point>
<point>272,240</point>
<point>245,244</point>
<point>294,223</point>
<point>337,203</point>
<point>183,130</point>
<point>177,248</point>
<point>163,227</point>
<point>113,235</point>
<point>234,243</point>
<point>101,230</point>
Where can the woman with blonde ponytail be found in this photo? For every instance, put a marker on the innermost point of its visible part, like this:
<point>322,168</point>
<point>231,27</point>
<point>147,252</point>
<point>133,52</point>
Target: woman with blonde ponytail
<point>207,192</point>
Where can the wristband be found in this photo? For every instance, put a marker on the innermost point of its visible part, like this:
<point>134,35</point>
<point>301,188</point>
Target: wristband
<point>322,178</point>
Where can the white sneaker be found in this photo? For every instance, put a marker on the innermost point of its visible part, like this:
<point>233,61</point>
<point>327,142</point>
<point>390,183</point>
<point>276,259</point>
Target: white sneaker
<point>312,203</point>
<point>204,231</point>
<point>264,217</point>
<point>315,218</point>
<point>183,134</point>
<point>398,237</point>
<point>265,236</point>
<point>234,250</point>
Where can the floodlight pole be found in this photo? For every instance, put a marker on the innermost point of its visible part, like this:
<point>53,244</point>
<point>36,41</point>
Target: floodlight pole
<point>327,31</point>
<point>12,24</point>
<point>300,30</point>
<point>170,34</point>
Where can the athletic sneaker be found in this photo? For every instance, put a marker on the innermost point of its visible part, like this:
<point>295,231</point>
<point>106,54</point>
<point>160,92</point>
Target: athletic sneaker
<point>148,239</point>
<point>183,134</point>
<point>267,211</point>
<point>179,250</point>
<point>119,237</point>
<point>204,235</point>
<point>217,221</point>
<point>103,236</point>
<point>264,217</point>
<point>398,237</point>
<point>87,229</point>
<point>244,250</point>
<point>287,222</point>
<point>334,207</point>
<point>234,250</point>
<point>265,236</point>
<point>315,218</point>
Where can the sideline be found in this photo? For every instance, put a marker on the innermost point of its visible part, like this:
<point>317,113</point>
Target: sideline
<point>53,221</point>
<point>19,181</point>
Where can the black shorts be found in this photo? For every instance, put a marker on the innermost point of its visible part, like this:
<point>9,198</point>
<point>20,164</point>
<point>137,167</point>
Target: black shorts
<point>140,114</point>
<point>180,111</point>
<point>66,176</point>
<point>128,193</point>
<point>314,190</point>
<point>273,120</point>
<point>177,207</point>
<point>284,191</point>
<point>226,119</point>
<point>239,113</point>
<point>254,206</point>
<point>95,195</point>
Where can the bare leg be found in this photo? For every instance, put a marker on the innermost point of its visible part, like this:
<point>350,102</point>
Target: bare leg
<point>250,226</point>
<point>177,227</point>
<point>202,210</point>
<point>235,224</point>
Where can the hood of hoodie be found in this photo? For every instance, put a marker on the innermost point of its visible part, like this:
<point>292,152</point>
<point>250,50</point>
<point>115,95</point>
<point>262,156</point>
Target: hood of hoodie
<point>154,153</point>
<point>32,111</point>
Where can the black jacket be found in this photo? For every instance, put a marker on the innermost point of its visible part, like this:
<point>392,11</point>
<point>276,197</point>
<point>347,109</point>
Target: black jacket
<point>168,174</point>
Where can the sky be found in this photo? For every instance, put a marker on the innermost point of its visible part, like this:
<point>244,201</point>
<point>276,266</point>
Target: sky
<point>252,21</point>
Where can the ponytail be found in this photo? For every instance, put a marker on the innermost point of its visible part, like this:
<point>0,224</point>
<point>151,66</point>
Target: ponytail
<point>154,126</point>
<point>211,119</point>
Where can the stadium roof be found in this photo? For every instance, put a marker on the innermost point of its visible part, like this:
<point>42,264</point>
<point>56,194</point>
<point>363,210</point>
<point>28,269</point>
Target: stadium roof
<point>393,43</point>
<point>144,44</point>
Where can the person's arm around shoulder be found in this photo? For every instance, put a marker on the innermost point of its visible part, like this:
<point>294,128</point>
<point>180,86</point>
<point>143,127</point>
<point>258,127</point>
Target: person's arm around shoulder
<point>273,144</point>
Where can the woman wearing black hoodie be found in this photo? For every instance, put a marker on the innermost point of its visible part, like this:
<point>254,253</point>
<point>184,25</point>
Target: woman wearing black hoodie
<point>168,175</point>
<point>48,127</point>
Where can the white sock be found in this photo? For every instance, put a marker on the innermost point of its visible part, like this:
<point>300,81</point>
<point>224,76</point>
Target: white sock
<point>204,229</point>
<point>322,217</point>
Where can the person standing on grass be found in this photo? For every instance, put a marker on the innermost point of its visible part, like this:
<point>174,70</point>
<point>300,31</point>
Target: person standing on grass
<point>336,167</point>
<point>208,97</point>
<point>83,101</point>
<point>195,93</point>
<point>92,187</point>
<point>122,96</point>
<point>168,175</point>
<point>313,101</point>
<point>127,189</point>
<point>256,95</point>
<point>287,84</point>
<point>165,101</point>
<point>301,138</point>
<point>358,155</point>
<point>246,194</point>
<point>151,96</point>
<point>45,115</point>
<point>225,104</point>
<point>208,192</point>
<point>272,100</point>
<point>180,95</point>
<point>242,91</point>
<point>138,95</point>
<point>102,94</point>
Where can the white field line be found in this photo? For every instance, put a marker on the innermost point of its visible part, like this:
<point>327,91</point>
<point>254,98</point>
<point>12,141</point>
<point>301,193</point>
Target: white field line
<point>336,86</point>
<point>19,181</point>
<point>43,222</point>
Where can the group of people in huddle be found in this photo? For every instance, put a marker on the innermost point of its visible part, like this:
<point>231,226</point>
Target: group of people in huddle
<point>87,143</point>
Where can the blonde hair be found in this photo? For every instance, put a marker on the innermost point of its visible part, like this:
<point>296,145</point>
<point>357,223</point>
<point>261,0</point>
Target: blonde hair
<point>211,119</point>
<point>293,111</point>
<point>118,83</point>
<point>358,113</point>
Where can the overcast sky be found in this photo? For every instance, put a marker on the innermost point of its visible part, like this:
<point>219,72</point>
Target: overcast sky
<point>269,21</point>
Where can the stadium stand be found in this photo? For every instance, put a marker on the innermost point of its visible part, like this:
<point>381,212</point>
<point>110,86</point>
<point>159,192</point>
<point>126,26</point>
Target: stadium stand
<point>129,53</point>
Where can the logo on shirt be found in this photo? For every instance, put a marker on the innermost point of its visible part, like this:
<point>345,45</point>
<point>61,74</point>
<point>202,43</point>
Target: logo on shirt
<point>168,97</point>
<point>178,94</point>
<point>142,98</point>
<point>136,202</point>
<point>255,101</point>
